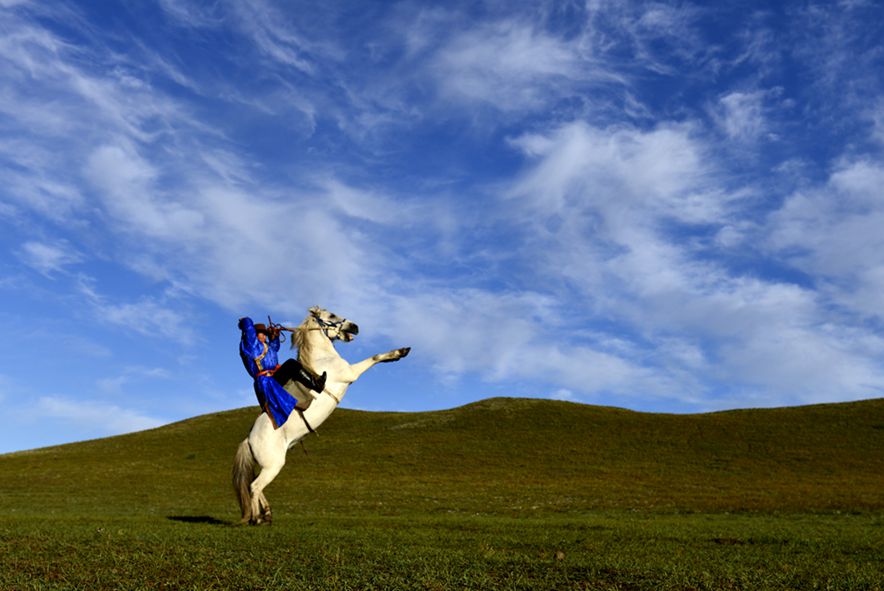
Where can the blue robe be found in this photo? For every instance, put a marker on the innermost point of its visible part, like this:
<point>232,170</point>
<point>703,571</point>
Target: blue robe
<point>256,357</point>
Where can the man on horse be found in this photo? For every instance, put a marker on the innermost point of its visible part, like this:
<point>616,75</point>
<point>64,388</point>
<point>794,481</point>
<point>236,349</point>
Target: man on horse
<point>259,348</point>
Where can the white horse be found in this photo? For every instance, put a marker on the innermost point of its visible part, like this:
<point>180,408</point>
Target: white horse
<point>265,446</point>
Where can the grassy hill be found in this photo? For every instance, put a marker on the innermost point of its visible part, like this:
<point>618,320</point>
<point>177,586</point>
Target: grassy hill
<point>503,493</point>
<point>500,456</point>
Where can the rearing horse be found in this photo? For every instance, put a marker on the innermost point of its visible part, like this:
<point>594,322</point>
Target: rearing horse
<point>265,446</point>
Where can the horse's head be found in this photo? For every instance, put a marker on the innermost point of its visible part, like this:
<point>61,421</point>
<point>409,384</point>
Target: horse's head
<point>333,325</point>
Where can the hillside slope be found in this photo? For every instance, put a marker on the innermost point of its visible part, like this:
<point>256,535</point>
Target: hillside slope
<point>501,456</point>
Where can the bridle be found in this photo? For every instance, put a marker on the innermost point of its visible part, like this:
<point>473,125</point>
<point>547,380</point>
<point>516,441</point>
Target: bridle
<point>326,326</point>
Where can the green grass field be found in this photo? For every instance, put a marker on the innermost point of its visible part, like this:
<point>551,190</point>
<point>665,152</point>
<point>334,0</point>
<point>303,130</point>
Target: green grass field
<point>501,494</point>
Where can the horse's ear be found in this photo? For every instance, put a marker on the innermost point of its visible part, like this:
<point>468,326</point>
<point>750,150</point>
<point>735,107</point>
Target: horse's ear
<point>315,311</point>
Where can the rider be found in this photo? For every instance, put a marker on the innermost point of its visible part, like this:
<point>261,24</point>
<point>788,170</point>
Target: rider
<point>258,349</point>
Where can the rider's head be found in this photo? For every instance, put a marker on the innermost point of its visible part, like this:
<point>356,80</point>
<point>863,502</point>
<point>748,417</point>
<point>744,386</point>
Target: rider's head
<point>261,329</point>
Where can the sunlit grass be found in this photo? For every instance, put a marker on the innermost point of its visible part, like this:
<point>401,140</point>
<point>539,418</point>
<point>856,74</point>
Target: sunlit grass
<point>509,494</point>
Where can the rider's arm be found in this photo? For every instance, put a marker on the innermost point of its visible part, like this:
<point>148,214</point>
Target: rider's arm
<point>249,336</point>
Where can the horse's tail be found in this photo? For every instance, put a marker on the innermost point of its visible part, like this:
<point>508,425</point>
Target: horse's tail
<point>243,475</point>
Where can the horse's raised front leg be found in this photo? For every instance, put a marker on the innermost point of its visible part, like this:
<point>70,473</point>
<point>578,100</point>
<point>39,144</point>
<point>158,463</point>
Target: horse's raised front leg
<point>363,366</point>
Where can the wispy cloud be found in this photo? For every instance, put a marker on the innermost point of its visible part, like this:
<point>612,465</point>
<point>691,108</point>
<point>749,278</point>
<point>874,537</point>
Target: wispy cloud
<point>94,417</point>
<point>876,114</point>
<point>615,201</point>
<point>510,66</point>
<point>126,183</point>
<point>192,14</point>
<point>741,115</point>
<point>656,36</point>
<point>49,258</point>
<point>832,232</point>
<point>115,384</point>
<point>147,315</point>
<point>272,34</point>
<point>611,208</point>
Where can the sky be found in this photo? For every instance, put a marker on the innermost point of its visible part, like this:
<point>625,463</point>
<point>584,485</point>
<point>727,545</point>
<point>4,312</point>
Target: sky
<point>661,206</point>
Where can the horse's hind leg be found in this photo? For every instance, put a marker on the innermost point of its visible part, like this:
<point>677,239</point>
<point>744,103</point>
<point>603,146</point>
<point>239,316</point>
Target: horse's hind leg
<point>269,447</point>
<point>265,515</point>
<point>260,506</point>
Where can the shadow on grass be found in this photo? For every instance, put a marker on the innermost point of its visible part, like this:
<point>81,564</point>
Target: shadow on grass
<point>198,519</point>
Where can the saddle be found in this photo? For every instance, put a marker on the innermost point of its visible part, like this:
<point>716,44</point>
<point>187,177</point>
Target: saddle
<point>304,396</point>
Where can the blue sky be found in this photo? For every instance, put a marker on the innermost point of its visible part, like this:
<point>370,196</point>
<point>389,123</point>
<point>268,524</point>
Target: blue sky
<point>660,206</point>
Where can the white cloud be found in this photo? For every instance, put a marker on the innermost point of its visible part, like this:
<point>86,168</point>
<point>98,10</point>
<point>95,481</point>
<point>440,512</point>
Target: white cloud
<point>49,68</point>
<point>273,34</point>
<point>94,417</point>
<point>603,192</point>
<point>457,326</point>
<point>599,271</point>
<point>833,232</point>
<point>173,199</point>
<point>877,117</point>
<point>127,185</point>
<point>115,384</point>
<point>49,259</point>
<point>564,394</point>
<point>147,316</point>
<point>191,14</point>
<point>268,27</point>
<point>741,115</point>
<point>655,36</point>
<point>251,244</point>
<point>514,337</point>
<point>65,101</point>
<point>368,206</point>
<point>512,66</point>
<point>266,250</point>
<point>607,209</point>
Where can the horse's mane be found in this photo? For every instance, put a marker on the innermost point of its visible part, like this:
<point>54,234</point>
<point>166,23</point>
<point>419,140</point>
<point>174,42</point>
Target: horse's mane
<point>298,335</point>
